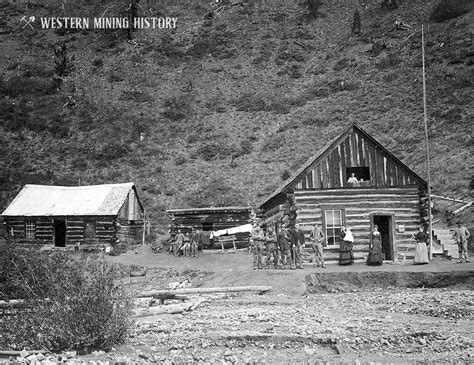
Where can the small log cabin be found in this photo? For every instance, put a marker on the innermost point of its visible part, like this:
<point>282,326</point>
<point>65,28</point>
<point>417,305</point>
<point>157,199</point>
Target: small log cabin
<point>75,215</point>
<point>387,193</point>
<point>212,219</point>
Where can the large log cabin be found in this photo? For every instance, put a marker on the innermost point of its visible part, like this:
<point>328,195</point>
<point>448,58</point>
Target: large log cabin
<point>388,194</point>
<point>71,216</point>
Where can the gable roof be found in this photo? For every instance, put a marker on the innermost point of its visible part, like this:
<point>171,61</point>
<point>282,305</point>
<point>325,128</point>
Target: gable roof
<point>283,188</point>
<point>94,200</point>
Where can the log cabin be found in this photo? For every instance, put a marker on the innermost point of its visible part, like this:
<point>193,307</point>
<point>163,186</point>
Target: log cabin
<point>387,193</point>
<point>75,216</point>
<point>212,219</point>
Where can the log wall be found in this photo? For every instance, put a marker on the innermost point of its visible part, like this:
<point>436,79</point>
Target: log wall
<point>129,231</point>
<point>213,221</point>
<point>105,232</point>
<point>358,206</point>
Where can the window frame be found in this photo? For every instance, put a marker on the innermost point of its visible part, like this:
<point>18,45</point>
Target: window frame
<point>92,223</point>
<point>30,233</point>
<point>325,227</point>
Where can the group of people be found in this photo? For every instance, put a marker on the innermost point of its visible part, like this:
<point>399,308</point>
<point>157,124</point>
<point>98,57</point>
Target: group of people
<point>186,244</point>
<point>285,249</point>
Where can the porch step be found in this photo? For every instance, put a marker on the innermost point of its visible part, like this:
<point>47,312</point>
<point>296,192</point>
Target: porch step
<point>444,237</point>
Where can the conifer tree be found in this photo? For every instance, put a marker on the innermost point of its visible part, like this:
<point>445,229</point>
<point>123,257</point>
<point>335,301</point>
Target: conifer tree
<point>63,64</point>
<point>356,23</point>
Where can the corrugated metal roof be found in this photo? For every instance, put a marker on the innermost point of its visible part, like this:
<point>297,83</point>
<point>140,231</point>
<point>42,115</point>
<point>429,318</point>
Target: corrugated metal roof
<point>44,200</point>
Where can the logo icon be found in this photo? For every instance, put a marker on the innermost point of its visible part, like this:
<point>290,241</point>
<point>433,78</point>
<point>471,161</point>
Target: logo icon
<point>28,21</point>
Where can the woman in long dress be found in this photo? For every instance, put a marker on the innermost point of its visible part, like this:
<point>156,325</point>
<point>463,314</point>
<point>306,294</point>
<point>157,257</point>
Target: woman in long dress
<point>346,256</point>
<point>421,252</point>
<point>375,251</point>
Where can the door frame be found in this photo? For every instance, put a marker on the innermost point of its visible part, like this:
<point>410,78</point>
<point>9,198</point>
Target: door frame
<point>391,236</point>
<point>65,231</point>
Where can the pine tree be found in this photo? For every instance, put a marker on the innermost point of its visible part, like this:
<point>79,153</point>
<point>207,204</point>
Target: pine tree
<point>63,64</point>
<point>356,23</point>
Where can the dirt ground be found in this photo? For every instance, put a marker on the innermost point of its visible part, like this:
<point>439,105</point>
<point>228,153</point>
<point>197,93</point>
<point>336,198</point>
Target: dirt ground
<point>356,314</point>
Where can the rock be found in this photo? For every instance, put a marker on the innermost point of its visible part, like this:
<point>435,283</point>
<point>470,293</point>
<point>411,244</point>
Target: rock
<point>24,353</point>
<point>40,357</point>
<point>32,358</point>
<point>70,354</point>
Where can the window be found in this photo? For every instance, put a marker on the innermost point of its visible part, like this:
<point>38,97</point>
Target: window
<point>333,223</point>
<point>360,173</point>
<point>89,229</point>
<point>30,230</point>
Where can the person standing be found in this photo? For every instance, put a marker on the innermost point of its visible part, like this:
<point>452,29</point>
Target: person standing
<point>293,246</point>
<point>318,239</point>
<point>179,241</point>
<point>300,247</point>
<point>271,241</point>
<point>195,238</point>
<point>257,247</point>
<point>280,245</point>
<point>461,236</point>
<point>346,257</point>
<point>421,251</point>
<point>375,250</point>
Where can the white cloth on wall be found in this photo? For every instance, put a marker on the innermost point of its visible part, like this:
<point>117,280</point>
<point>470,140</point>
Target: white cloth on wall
<point>349,237</point>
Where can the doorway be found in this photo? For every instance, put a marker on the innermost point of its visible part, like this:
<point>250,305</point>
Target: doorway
<point>60,232</point>
<point>385,225</point>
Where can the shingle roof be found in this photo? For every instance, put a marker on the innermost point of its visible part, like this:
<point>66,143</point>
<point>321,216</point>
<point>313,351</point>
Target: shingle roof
<point>44,200</point>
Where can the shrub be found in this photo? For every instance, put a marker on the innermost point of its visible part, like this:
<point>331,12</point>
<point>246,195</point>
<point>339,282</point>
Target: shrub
<point>273,143</point>
<point>249,102</point>
<point>98,62</point>
<point>177,107</point>
<point>68,303</point>
<point>180,159</point>
<point>449,9</point>
<point>285,175</point>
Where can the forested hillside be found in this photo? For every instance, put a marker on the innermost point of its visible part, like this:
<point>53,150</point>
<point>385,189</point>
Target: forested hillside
<point>223,108</point>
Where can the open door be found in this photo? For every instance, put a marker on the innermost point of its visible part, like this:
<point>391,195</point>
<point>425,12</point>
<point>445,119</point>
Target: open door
<point>385,225</point>
<point>60,232</point>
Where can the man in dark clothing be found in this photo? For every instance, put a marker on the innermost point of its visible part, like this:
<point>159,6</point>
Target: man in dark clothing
<point>293,246</point>
<point>284,245</point>
<point>299,247</point>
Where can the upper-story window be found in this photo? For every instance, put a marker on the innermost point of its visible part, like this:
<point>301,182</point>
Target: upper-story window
<point>358,176</point>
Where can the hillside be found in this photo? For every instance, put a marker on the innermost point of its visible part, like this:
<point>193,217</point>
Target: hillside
<point>230,106</point>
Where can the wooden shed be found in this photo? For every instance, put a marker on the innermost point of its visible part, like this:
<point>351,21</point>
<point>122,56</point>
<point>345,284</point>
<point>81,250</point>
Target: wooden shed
<point>387,193</point>
<point>73,215</point>
<point>212,219</point>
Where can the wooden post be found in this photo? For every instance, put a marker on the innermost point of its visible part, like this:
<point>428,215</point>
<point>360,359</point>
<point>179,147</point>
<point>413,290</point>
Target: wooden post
<point>144,228</point>
<point>425,117</point>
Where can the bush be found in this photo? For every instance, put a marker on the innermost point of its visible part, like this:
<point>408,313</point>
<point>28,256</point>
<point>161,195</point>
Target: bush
<point>68,304</point>
<point>285,175</point>
<point>449,9</point>
<point>177,107</point>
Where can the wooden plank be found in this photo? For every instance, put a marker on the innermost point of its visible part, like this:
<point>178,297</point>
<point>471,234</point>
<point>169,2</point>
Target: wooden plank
<point>303,182</point>
<point>380,169</point>
<point>309,182</point>
<point>335,168</point>
<point>347,152</point>
<point>353,149</point>
<point>235,289</point>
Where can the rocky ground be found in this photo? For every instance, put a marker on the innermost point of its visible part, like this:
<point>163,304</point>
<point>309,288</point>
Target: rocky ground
<point>347,324</point>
